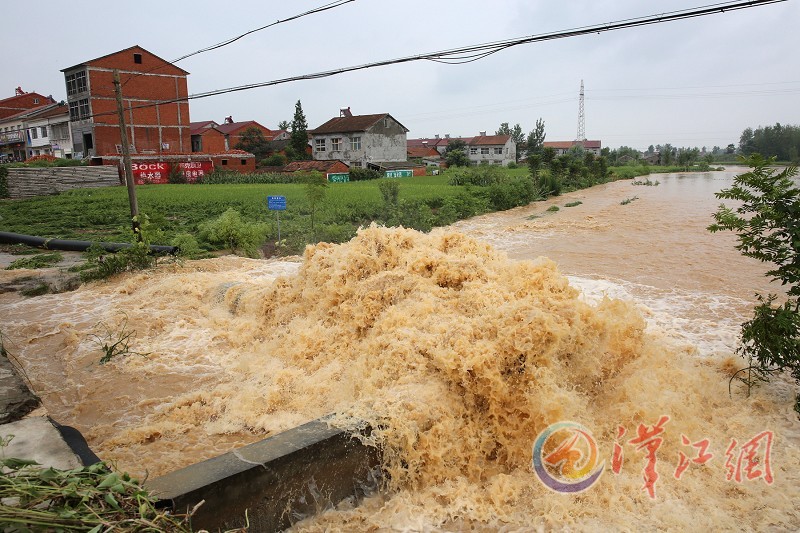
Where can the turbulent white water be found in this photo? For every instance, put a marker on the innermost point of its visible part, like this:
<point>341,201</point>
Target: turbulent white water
<point>462,349</point>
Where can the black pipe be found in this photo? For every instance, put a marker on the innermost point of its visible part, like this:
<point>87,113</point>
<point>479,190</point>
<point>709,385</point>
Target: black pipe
<point>76,246</point>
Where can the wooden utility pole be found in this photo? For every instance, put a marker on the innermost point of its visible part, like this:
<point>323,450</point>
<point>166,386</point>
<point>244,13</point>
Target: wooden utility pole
<point>126,159</point>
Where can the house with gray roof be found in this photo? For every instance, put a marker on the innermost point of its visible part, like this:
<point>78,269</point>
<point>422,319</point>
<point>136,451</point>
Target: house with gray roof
<point>360,140</point>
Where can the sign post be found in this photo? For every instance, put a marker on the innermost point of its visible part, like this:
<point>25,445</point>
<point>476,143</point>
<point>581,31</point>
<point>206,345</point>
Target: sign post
<point>277,204</point>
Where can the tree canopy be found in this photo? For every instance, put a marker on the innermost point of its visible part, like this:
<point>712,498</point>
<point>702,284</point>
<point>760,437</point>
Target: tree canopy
<point>299,138</point>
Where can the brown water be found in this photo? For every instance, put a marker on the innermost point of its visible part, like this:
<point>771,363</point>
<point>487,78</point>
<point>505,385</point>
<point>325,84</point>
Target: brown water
<point>462,353</point>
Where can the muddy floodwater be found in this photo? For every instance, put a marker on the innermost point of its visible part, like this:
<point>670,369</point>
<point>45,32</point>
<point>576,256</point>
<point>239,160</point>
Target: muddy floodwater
<point>461,346</point>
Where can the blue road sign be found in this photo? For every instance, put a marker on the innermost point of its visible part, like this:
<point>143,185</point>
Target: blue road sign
<point>276,203</point>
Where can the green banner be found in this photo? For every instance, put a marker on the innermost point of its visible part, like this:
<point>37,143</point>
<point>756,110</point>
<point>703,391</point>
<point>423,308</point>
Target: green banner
<point>339,177</point>
<point>399,173</point>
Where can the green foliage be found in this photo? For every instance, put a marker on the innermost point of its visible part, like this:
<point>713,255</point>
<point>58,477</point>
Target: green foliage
<point>252,140</point>
<point>188,247</point>
<point>37,290</point>
<point>779,141</point>
<point>626,201</point>
<point>101,264</point>
<point>363,174</point>
<point>455,155</point>
<point>275,160</point>
<point>573,204</point>
<point>226,177</point>
<point>535,141</point>
<point>547,184</point>
<point>511,193</point>
<point>232,232</point>
<point>481,176</point>
<point>553,208</point>
<point>647,182</point>
<point>37,261</point>
<point>298,142</point>
<point>516,135</point>
<point>390,192</point>
<point>315,184</point>
<point>47,162</point>
<point>113,343</point>
<point>767,225</point>
<point>3,181</point>
<point>90,498</point>
<point>176,175</point>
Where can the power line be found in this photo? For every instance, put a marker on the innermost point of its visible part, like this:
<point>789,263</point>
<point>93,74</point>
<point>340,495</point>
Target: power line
<point>479,51</point>
<point>326,7</point>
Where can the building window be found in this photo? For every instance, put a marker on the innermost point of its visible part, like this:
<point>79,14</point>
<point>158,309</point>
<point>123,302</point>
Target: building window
<point>197,144</point>
<point>319,145</point>
<point>79,109</point>
<point>336,144</point>
<point>76,83</point>
<point>243,162</point>
<point>498,151</point>
<point>35,100</point>
<point>497,162</point>
<point>44,131</point>
<point>137,58</point>
<point>356,164</point>
<point>33,133</point>
<point>473,151</point>
<point>355,143</point>
<point>485,150</point>
<point>224,162</point>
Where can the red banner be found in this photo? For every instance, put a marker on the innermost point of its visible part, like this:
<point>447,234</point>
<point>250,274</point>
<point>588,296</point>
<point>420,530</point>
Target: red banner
<point>158,172</point>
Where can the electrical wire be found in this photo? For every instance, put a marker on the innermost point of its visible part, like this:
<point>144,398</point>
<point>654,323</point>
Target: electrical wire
<point>485,49</point>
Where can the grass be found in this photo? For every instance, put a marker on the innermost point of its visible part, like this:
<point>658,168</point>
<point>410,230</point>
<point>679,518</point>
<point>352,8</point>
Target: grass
<point>626,201</point>
<point>37,261</point>
<point>647,182</point>
<point>553,208</point>
<point>573,204</point>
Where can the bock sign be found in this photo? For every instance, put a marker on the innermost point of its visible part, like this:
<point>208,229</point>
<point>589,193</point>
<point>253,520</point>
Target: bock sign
<point>158,172</point>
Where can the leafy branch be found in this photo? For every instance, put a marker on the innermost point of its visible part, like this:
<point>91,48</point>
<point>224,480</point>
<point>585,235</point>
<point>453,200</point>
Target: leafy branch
<point>115,343</point>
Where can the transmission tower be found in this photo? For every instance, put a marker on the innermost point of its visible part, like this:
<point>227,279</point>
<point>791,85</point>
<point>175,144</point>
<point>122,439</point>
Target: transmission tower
<point>581,120</point>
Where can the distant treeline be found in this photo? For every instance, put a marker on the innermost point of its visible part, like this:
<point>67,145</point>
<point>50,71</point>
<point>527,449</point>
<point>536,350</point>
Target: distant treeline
<point>782,142</point>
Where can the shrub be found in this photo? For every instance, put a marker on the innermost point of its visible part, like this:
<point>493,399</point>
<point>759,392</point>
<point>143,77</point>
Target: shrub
<point>553,208</point>
<point>390,191</point>
<point>275,160</point>
<point>573,204</point>
<point>176,175</point>
<point>230,231</point>
<point>363,174</point>
<point>37,261</point>
<point>3,181</point>
<point>188,246</point>
<point>766,226</point>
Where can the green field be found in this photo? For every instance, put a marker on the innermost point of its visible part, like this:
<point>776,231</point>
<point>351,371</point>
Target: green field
<point>424,202</point>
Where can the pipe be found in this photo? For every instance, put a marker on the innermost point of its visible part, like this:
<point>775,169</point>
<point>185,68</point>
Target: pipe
<point>76,246</point>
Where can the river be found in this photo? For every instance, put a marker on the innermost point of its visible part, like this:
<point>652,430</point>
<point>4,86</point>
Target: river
<point>464,344</point>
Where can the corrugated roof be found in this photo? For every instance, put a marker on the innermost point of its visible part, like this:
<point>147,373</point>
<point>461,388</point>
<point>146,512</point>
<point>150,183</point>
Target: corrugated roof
<point>489,139</point>
<point>566,145</point>
<point>322,165</point>
<point>351,124</point>
<point>231,127</point>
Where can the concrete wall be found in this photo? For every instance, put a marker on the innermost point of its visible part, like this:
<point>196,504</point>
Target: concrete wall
<point>27,182</point>
<point>278,481</point>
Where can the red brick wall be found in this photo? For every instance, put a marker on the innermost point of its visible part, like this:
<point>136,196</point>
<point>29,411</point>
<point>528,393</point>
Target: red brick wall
<point>213,141</point>
<point>238,162</point>
<point>236,136</point>
<point>159,81</point>
<point>17,104</point>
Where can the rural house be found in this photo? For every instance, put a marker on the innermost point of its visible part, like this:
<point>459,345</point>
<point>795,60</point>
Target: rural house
<point>487,149</point>
<point>562,147</point>
<point>360,140</point>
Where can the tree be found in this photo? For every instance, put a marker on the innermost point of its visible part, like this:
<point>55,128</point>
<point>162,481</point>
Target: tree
<point>766,224</point>
<point>253,141</point>
<point>315,185</point>
<point>730,149</point>
<point>516,135</point>
<point>298,142</point>
<point>746,142</point>
<point>284,125</point>
<point>455,155</point>
<point>535,141</point>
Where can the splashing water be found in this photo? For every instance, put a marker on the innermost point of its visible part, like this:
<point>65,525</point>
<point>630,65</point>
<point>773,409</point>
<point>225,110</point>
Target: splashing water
<point>455,354</point>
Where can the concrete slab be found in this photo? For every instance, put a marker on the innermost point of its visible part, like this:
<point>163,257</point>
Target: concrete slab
<point>38,439</point>
<point>16,400</point>
<point>277,481</point>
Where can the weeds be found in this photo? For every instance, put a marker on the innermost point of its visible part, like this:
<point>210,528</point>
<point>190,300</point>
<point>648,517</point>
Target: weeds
<point>626,201</point>
<point>37,261</point>
<point>91,499</point>
<point>573,204</point>
<point>648,182</point>
<point>115,343</point>
<point>553,208</point>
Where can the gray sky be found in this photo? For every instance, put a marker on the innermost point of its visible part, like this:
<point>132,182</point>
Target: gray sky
<point>697,82</point>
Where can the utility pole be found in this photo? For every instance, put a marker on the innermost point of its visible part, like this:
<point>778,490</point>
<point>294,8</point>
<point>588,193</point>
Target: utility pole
<point>126,159</point>
<point>581,120</point>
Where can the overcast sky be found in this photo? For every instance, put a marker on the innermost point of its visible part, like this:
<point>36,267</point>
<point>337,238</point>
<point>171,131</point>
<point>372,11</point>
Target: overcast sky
<point>697,82</point>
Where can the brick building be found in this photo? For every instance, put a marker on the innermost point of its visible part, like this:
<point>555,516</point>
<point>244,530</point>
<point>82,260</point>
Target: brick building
<point>156,123</point>
<point>22,101</point>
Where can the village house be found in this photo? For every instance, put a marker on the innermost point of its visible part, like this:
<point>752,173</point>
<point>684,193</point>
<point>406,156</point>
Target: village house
<point>481,149</point>
<point>211,136</point>
<point>154,92</point>
<point>49,132</point>
<point>360,140</point>
<point>22,101</point>
<point>14,112</point>
<point>562,147</point>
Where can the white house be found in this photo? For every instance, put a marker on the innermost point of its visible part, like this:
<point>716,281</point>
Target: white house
<point>359,140</point>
